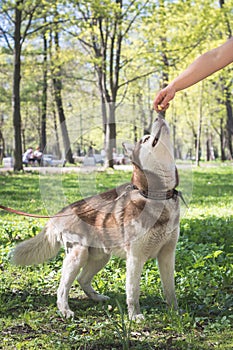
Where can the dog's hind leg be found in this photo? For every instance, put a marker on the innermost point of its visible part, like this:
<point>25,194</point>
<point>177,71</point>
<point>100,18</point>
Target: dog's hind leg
<point>166,261</point>
<point>96,261</point>
<point>75,259</point>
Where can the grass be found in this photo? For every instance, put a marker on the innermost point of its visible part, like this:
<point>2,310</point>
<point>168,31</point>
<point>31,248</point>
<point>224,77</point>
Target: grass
<point>204,272</point>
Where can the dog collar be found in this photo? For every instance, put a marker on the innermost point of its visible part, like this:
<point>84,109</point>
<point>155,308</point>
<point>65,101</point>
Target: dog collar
<point>161,195</point>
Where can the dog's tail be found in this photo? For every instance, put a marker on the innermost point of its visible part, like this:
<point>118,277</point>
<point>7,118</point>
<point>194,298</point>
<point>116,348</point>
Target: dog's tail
<point>36,250</point>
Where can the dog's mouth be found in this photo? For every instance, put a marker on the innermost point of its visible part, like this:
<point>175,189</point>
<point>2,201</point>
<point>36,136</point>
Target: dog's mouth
<point>157,136</point>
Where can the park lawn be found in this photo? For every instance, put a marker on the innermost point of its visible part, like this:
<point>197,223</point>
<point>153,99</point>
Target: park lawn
<point>204,271</point>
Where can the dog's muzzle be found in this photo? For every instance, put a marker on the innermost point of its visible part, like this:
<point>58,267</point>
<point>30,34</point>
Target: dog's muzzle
<point>157,135</point>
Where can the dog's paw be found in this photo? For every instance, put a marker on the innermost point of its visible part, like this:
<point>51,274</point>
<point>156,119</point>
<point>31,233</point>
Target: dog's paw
<point>67,313</point>
<point>98,297</point>
<point>138,318</point>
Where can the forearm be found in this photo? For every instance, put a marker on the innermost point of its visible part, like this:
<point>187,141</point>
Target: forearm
<point>202,67</point>
<point>197,71</point>
<point>205,65</point>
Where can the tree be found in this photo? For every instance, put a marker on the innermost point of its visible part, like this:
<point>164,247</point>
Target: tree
<point>20,18</point>
<point>43,141</point>
<point>106,51</point>
<point>104,29</point>
<point>16,86</point>
<point>227,84</point>
<point>183,45</point>
<point>57,84</point>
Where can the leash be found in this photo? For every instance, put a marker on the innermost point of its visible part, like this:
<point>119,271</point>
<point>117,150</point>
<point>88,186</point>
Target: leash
<point>180,194</point>
<point>157,196</point>
<point>18,212</point>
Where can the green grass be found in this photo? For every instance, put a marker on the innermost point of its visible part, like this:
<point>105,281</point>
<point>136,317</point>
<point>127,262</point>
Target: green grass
<point>204,272</point>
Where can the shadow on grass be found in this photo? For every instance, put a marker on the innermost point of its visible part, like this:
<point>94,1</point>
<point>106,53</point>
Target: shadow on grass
<point>16,302</point>
<point>94,324</point>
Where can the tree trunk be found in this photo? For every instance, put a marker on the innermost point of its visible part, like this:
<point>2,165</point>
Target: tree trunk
<point>165,76</point>
<point>44,95</point>
<point>108,116</point>
<point>163,39</point>
<point>198,147</point>
<point>174,121</point>
<point>228,101</point>
<point>2,146</point>
<point>222,141</point>
<point>112,134</point>
<point>57,84</point>
<point>198,143</point>
<point>62,120</point>
<point>208,150</point>
<point>57,144</point>
<point>229,121</point>
<point>18,165</point>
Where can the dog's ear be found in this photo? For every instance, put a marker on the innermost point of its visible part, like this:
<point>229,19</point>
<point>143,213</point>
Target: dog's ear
<point>128,147</point>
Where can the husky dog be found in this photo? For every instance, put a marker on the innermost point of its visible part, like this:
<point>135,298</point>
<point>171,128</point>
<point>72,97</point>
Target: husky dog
<point>137,221</point>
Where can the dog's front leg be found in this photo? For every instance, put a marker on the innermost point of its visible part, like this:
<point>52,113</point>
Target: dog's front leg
<point>134,267</point>
<point>166,261</point>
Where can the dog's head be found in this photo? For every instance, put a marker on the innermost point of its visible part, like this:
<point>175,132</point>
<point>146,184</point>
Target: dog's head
<point>153,159</point>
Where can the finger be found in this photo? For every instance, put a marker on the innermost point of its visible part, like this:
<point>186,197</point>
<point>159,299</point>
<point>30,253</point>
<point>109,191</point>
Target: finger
<point>157,102</point>
<point>159,105</point>
<point>166,107</point>
<point>164,103</point>
<point>162,108</point>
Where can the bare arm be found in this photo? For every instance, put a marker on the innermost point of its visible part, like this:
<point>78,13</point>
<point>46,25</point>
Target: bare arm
<point>202,67</point>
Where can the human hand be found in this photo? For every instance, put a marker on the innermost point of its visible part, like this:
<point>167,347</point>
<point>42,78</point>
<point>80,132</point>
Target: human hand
<point>162,99</point>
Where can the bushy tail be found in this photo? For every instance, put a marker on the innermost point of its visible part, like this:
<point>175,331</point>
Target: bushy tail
<point>36,250</point>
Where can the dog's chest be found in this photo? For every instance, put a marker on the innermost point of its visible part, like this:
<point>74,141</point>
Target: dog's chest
<point>161,230</point>
<point>153,242</point>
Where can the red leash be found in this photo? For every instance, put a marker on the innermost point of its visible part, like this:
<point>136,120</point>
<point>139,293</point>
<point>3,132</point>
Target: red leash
<point>10,210</point>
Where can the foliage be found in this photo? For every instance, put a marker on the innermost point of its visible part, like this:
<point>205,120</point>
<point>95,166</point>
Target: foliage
<point>150,31</point>
<point>204,274</point>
